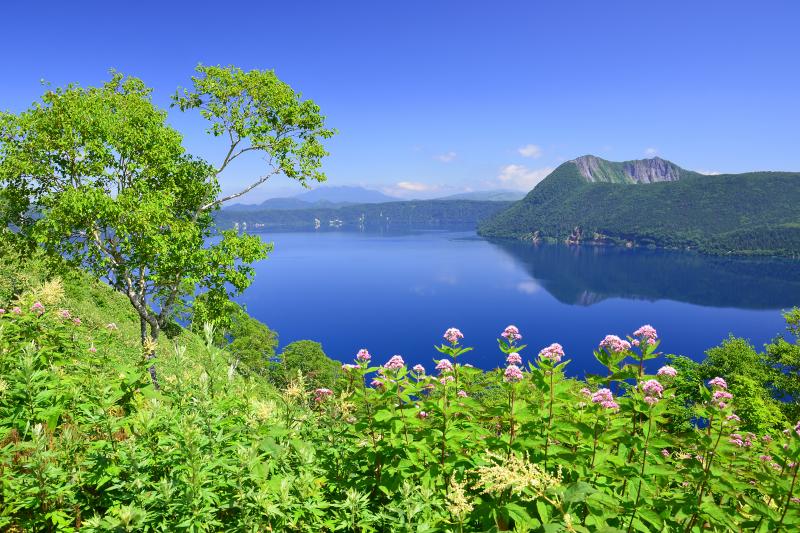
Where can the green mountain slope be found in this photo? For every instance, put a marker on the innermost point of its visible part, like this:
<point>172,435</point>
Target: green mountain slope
<point>656,203</point>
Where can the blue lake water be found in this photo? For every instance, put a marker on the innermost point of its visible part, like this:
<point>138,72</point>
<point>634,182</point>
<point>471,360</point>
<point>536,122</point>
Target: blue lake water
<point>396,294</point>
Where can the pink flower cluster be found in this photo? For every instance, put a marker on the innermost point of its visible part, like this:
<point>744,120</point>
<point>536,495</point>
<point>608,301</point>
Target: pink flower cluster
<point>37,308</point>
<point>444,366</point>
<point>605,398</point>
<point>452,335</point>
<point>514,359</point>
<point>667,371</point>
<point>511,334</point>
<point>322,394</point>
<point>16,310</point>
<point>512,374</point>
<point>740,441</point>
<point>64,313</point>
<point>347,368</point>
<point>462,394</point>
<point>447,378</point>
<point>553,353</point>
<point>394,363</point>
<point>363,355</point>
<point>646,332</point>
<point>422,415</point>
<point>612,343</point>
<point>2,311</point>
<point>419,369</point>
<point>652,390</point>
<point>718,382</point>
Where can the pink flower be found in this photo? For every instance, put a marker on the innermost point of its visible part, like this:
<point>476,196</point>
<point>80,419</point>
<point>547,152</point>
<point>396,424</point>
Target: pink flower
<point>37,308</point>
<point>376,384</point>
<point>363,355</point>
<point>394,363</point>
<point>514,359</point>
<point>795,500</point>
<point>322,394</point>
<point>419,369</point>
<point>111,326</point>
<point>422,415</point>
<point>736,439</point>
<point>733,418</point>
<point>665,452</point>
<point>452,335</point>
<point>718,382</point>
<point>64,313</point>
<point>667,371</point>
<point>586,392</point>
<point>610,405</point>
<point>16,310</point>
<point>92,349</point>
<point>602,395</point>
<point>347,367</point>
<point>511,334</point>
<point>767,438</point>
<point>462,394</point>
<point>444,366</point>
<point>2,311</point>
<point>651,400</point>
<point>652,387</point>
<point>612,343</point>
<point>553,353</point>
<point>765,458</point>
<point>647,332</point>
<point>76,321</point>
<point>447,378</point>
<point>513,374</point>
<point>722,395</point>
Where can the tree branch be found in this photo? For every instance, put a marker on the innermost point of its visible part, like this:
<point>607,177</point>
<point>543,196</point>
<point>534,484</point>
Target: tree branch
<point>244,191</point>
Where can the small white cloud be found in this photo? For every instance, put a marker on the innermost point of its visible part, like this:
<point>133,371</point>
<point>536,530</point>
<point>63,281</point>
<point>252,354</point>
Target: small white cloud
<point>414,186</point>
<point>527,287</point>
<point>709,172</point>
<point>530,150</point>
<point>522,177</point>
<point>446,157</point>
<point>651,152</point>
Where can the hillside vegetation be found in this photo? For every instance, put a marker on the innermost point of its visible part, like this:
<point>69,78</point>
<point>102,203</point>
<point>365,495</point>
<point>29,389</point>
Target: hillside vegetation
<point>753,213</point>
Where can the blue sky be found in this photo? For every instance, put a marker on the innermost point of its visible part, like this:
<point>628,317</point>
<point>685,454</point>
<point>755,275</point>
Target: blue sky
<point>433,97</point>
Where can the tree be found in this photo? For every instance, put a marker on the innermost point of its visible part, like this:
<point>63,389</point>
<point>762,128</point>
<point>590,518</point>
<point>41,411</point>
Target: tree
<point>783,359</point>
<point>309,358</point>
<point>97,176</point>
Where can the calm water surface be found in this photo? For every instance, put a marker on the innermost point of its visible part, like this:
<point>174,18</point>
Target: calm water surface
<point>396,294</point>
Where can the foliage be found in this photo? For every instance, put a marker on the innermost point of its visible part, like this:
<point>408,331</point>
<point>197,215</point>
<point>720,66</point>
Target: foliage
<point>114,191</point>
<point>87,443</point>
<point>753,213</point>
<point>307,358</point>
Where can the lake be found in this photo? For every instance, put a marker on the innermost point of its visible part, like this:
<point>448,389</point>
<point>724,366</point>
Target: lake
<point>397,293</point>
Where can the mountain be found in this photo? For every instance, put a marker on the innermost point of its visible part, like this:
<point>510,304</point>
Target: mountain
<point>495,195</point>
<point>655,203</point>
<point>416,214</point>
<point>321,197</point>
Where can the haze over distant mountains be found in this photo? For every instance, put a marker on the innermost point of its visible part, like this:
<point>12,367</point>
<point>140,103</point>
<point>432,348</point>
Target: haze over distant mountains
<point>341,196</point>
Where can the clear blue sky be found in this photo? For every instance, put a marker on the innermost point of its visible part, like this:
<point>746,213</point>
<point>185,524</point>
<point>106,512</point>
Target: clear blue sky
<point>432,96</point>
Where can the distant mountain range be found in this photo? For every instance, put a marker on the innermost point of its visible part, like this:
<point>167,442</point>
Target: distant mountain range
<point>656,203</point>
<point>342,196</point>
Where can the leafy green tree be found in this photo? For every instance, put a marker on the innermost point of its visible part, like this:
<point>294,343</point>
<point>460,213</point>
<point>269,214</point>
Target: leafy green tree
<point>309,358</point>
<point>783,359</point>
<point>116,192</point>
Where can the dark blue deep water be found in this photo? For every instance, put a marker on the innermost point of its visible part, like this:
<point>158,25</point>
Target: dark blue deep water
<point>396,294</point>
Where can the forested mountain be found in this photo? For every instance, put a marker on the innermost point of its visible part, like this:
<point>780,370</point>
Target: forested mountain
<point>654,202</point>
<point>419,214</point>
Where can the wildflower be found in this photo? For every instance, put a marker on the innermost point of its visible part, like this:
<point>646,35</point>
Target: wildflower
<point>444,380</point>
<point>767,438</point>
<point>651,400</point>
<point>652,387</point>
<point>452,335</point>
<point>667,371</point>
<point>765,458</point>
<point>376,384</point>
<point>394,363</point>
<point>611,404</point>
<point>2,311</point>
<point>602,395</point>
<point>513,374</point>
<point>511,334</point>
<point>515,474</point>
<point>733,418</point>
<point>665,452</point>
<point>419,369</point>
<point>736,439</point>
<point>322,394</point>
<point>462,394</point>
<point>347,367</point>
<point>64,313</point>
<point>458,500</point>
<point>586,392</point>
<point>37,308</point>
<point>646,332</point>
<point>422,415</point>
<point>444,366</point>
<point>553,353</point>
<point>612,343</point>
<point>16,310</point>
<point>514,359</point>
<point>718,382</point>
<point>76,321</point>
<point>795,500</point>
<point>92,349</point>
<point>363,355</point>
<point>111,326</point>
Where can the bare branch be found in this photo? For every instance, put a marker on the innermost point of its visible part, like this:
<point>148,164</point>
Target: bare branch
<point>244,191</point>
